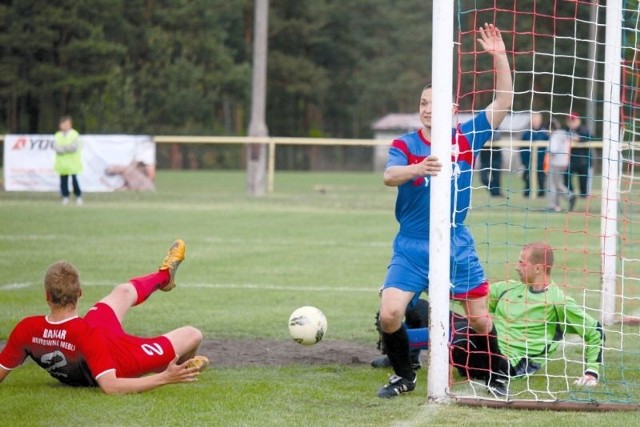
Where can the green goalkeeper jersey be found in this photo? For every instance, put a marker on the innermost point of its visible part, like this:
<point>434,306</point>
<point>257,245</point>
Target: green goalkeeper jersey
<point>530,324</point>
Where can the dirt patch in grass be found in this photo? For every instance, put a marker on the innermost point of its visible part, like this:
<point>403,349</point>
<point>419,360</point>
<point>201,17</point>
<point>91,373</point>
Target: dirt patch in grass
<point>263,352</point>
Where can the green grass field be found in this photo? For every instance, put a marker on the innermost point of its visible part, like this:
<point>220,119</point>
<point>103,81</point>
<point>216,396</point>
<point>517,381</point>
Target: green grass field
<point>320,239</point>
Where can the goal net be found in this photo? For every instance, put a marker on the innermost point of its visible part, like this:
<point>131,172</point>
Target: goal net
<point>568,66</point>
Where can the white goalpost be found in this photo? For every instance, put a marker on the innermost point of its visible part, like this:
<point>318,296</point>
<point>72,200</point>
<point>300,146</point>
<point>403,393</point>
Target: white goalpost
<point>439,234</point>
<point>556,48</point>
<point>611,161</point>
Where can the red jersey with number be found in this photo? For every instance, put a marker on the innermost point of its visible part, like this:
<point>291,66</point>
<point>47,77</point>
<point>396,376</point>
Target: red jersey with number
<point>70,351</point>
<point>78,350</point>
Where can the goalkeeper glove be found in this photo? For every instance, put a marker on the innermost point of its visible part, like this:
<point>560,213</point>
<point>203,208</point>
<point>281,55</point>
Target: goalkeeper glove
<point>587,380</point>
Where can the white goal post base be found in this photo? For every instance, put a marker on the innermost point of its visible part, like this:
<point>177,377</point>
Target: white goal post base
<point>556,405</point>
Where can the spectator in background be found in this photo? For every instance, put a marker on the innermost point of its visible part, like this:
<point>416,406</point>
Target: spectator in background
<point>536,132</point>
<point>580,164</point>
<point>559,158</point>
<point>490,167</point>
<point>68,163</point>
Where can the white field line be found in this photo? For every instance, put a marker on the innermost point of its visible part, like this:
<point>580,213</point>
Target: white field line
<point>281,287</point>
<point>266,287</point>
<point>14,286</point>
<point>424,416</point>
<point>207,240</point>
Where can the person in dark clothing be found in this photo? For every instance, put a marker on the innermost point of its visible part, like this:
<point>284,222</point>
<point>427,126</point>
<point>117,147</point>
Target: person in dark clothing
<point>536,132</point>
<point>490,164</point>
<point>580,163</point>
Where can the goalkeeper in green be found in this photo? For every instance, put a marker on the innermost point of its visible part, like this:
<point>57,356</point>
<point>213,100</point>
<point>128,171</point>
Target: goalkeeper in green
<point>531,317</point>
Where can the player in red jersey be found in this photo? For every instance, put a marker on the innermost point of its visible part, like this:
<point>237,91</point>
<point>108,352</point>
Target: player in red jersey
<point>95,350</point>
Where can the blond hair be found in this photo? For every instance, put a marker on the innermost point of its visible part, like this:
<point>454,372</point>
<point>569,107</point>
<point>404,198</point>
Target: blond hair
<point>62,284</point>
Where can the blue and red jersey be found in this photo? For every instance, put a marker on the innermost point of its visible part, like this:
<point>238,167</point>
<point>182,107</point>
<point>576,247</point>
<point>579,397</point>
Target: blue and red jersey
<point>414,197</point>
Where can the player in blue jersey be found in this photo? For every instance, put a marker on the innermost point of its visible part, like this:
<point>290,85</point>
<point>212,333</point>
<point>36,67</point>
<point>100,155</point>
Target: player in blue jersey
<point>409,167</point>
<point>537,132</point>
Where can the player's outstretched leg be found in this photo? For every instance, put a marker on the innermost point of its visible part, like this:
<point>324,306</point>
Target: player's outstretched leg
<point>165,278</point>
<point>138,289</point>
<point>171,263</point>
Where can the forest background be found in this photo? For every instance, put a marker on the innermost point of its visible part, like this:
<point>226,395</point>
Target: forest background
<point>183,67</point>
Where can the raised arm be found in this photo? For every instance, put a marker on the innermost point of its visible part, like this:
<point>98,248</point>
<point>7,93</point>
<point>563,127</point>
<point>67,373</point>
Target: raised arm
<point>492,43</point>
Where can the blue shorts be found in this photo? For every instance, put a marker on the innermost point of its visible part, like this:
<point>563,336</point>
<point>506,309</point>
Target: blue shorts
<point>409,266</point>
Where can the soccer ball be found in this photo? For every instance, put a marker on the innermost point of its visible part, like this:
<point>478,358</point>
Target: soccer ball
<point>307,325</point>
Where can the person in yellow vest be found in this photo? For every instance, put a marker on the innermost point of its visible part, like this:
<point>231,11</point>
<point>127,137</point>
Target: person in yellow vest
<point>68,148</point>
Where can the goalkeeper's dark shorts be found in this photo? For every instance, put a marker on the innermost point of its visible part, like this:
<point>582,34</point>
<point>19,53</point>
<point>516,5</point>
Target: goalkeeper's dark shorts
<point>470,353</point>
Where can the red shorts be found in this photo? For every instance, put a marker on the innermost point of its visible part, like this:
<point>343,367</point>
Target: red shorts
<point>133,356</point>
<point>475,293</point>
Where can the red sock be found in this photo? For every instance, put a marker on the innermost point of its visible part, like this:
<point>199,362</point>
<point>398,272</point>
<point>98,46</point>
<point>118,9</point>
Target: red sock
<point>146,285</point>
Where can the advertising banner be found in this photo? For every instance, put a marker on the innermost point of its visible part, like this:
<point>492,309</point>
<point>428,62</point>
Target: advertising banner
<point>110,163</point>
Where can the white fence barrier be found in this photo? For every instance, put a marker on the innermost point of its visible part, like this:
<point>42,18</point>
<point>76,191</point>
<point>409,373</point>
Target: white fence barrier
<point>35,163</point>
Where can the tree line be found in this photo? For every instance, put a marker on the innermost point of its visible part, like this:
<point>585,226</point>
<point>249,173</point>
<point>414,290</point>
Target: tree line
<point>334,67</point>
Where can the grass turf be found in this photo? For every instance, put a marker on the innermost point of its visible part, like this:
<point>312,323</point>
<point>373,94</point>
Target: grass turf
<point>321,239</point>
